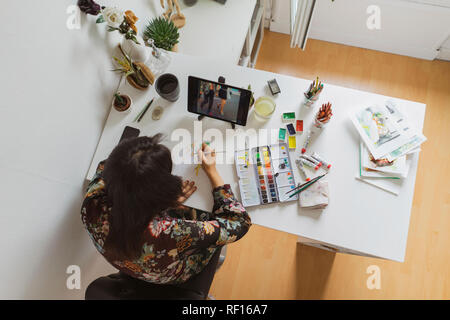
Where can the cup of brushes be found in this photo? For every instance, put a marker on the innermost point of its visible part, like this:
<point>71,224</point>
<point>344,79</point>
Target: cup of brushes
<point>312,95</point>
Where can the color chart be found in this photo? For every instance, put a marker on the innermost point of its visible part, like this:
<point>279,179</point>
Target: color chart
<point>265,174</point>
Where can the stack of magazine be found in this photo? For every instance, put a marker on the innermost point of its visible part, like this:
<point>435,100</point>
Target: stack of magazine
<point>388,142</point>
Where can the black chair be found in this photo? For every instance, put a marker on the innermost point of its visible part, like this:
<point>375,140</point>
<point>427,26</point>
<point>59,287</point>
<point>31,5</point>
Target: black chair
<point>119,286</point>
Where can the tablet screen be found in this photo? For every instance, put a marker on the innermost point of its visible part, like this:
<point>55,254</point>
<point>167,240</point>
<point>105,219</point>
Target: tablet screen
<point>218,100</point>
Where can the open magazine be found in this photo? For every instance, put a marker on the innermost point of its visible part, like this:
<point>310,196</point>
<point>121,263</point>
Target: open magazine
<point>385,131</point>
<point>382,168</point>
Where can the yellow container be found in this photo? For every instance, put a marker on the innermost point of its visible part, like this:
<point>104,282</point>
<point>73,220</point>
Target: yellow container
<point>264,107</point>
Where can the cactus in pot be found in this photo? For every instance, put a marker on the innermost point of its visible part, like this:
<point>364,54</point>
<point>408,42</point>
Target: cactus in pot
<point>163,32</point>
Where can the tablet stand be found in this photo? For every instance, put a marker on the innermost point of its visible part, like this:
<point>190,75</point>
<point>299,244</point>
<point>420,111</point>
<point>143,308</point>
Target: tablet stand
<point>221,80</point>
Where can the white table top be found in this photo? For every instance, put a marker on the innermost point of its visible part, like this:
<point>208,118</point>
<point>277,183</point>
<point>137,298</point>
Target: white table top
<point>212,29</point>
<point>360,217</point>
<point>216,30</point>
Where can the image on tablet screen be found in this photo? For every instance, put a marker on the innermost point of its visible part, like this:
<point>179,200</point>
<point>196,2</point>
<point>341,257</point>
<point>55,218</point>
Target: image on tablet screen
<point>218,101</point>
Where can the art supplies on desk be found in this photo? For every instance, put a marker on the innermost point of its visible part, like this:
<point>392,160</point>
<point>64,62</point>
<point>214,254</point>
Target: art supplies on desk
<point>325,164</point>
<point>385,131</point>
<point>386,181</point>
<point>387,139</point>
<point>371,167</point>
<point>302,187</point>
<point>323,116</point>
<point>292,140</point>
<point>274,87</point>
<point>302,170</point>
<point>265,175</point>
<point>312,95</point>
<point>144,111</point>
<point>315,197</point>
<point>282,134</point>
<point>291,129</point>
<point>299,126</point>
<point>288,116</point>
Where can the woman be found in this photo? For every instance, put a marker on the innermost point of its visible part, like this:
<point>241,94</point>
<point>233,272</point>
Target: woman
<point>133,213</point>
<point>208,97</point>
<point>223,95</point>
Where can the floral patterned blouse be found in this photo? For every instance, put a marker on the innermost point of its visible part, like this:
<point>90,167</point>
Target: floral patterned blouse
<point>178,242</point>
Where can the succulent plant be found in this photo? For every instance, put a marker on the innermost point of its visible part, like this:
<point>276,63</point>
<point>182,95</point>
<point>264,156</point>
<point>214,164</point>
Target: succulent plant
<point>163,32</point>
<point>119,99</point>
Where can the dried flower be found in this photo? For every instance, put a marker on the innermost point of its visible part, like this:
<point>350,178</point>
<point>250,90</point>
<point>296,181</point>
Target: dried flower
<point>131,19</point>
<point>113,16</point>
<point>89,7</point>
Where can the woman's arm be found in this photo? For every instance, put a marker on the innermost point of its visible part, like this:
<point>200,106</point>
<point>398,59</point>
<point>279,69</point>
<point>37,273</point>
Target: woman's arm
<point>208,158</point>
<point>227,210</point>
<point>229,222</point>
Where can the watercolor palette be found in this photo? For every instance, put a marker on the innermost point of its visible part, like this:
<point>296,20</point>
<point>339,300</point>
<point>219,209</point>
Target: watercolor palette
<point>265,174</point>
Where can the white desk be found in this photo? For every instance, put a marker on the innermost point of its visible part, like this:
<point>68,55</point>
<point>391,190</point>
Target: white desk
<point>216,30</point>
<point>360,219</point>
<point>211,30</point>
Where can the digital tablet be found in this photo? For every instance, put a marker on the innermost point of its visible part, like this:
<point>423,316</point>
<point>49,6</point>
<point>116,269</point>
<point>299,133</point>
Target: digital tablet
<point>218,100</point>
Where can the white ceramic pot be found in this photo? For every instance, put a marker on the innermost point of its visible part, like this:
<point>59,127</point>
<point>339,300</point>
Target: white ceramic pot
<point>137,52</point>
<point>127,111</point>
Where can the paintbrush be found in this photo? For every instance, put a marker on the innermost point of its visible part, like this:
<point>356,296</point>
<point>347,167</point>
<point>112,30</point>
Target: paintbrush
<point>305,185</point>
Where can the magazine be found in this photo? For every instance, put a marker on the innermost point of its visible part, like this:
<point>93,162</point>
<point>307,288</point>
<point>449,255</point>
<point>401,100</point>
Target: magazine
<point>385,131</point>
<point>372,167</point>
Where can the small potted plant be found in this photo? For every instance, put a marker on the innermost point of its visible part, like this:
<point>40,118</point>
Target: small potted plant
<point>163,32</point>
<point>121,102</point>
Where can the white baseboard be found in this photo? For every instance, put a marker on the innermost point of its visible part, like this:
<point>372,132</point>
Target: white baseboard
<point>444,54</point>
<point>378,45</point>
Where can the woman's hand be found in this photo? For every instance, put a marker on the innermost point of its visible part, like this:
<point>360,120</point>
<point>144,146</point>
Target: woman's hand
<point>188,188</point>
<point>208,158</point>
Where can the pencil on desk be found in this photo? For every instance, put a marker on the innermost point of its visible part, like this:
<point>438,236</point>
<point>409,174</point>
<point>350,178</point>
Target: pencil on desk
<point>143,111</point>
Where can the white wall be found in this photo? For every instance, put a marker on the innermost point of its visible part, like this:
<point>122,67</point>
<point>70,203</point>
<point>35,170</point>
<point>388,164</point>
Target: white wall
<point>54,83</point>
<point>281,16</point>
<point>55,93</point>
<point>408,27</point>
<point>444,50</point>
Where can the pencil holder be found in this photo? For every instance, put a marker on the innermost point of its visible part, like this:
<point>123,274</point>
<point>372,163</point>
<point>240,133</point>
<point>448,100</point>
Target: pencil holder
<point>323,116</point>
<point>310,102</point>
<point>319,125</point>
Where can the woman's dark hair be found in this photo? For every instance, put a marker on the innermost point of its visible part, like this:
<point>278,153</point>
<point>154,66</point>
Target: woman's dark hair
<point>139,185</point>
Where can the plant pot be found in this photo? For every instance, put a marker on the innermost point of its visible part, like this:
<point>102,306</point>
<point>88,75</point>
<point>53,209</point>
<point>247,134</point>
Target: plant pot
<point>175,48</point>
<point>137,52</point>
<point>146,73</point>
<point>190,3</point>
<point>122,108</point>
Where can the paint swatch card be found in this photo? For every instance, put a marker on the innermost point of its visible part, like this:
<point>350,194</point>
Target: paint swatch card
<point>265,174</point>
<point>285,179</point>
<point>284,196</point>
<point>281,165</point>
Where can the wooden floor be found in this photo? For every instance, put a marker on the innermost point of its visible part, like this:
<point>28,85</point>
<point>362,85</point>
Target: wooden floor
<point>268,264</point>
